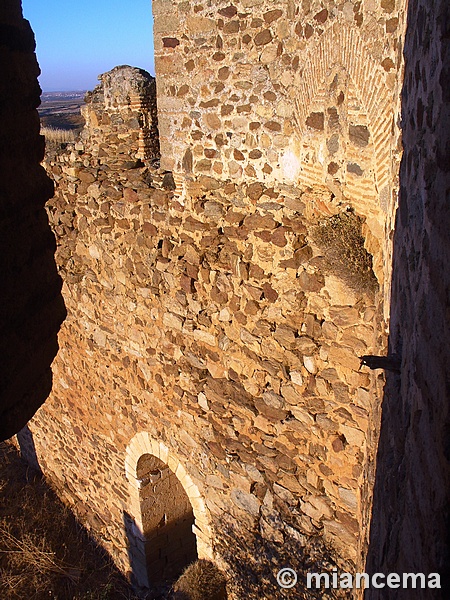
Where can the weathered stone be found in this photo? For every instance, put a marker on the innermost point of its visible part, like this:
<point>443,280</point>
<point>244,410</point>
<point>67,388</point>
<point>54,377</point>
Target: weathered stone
<point>199,25</point>
<point>321,16</point>
<point>305,345</point>
<point>270,412</point>
<point>291,483</point>
<point>272,125</point>
<point>313,282</point>
<point>338,534</point>
<point>170,42</point>
<point>349,497</point>
<point>388,5</point>
<point>263,37</point>
<point>354,436</point>
<point>229,11</point>
<point>358,135</point>
<point>278,237</point>
<point>391,25</point>
<point>272,15</point>
<point>310,364</point>
<point>316,120</point>
<point>255,190</point>
<point>344,316</point>
<point>272,399</point>
<point>271,532</point>
<point>213,121</point>
<point>269,293</point>
<point>231,27</point>
<point>245,501</point>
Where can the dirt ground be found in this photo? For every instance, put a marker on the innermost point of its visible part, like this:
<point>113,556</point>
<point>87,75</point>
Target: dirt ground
<point>44,552</point>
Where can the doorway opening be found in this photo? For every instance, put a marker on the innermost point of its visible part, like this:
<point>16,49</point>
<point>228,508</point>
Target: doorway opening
<point>167,520</point>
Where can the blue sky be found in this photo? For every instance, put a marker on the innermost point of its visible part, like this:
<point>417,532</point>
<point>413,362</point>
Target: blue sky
<point>79,39</point>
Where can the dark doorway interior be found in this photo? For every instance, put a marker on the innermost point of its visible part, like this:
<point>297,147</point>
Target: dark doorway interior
<point>167,519</point>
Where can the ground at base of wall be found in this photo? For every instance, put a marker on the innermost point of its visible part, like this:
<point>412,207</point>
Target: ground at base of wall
<point>44,552</point>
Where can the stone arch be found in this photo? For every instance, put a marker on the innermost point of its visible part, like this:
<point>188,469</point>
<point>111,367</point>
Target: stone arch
<point>342,46</point>
<point>140,445</point>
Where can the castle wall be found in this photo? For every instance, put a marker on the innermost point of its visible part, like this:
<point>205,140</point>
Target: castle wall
<point>411,498</point>
<point>121,115</point>
<point>214,327</point>
<point>31,305</point>
<point>208,325</point>
<point>272,94</point>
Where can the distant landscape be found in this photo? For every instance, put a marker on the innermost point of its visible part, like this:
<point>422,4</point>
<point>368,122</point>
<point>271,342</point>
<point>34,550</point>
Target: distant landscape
<point>61,110</point>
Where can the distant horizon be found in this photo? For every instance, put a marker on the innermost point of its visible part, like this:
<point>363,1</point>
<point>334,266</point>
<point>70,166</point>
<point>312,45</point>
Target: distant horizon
<point>64,91</point>
<point>76,43</point>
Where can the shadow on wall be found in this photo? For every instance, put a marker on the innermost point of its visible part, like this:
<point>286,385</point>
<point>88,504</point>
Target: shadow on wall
<point>411,509</point>
<point>28,449</point>
<point>137,574</point>
<point>31,305</point>
<point>170,578</point>
<point>155,561</point>
<point>39,560</point>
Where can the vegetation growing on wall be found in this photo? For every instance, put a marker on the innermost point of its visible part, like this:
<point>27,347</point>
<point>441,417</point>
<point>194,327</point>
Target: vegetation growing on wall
<point>340,238</point>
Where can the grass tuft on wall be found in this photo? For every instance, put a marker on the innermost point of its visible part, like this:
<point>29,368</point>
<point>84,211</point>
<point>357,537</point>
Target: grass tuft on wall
<point>342,242</point>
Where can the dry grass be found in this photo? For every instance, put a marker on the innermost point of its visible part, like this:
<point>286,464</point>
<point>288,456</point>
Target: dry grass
<point>35,563</point>
<point>58,135</point>
<point>201,580</point>
<point>44,552</point>
<point>342,242</point>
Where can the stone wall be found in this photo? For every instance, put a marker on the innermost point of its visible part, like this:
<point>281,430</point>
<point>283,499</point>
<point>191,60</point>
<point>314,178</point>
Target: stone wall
<point>212,326</point>
<point>31,305</point>
<point>214,332</point>
<point>258,92</point>
<point>410,522</point>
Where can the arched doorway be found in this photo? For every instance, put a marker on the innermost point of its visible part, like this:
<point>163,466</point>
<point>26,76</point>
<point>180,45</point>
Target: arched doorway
<point>151,492</point>
<point>167,520</point>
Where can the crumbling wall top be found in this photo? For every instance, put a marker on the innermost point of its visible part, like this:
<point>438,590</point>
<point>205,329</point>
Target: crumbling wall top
<point>120,86</point>
<point>121,115</point>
